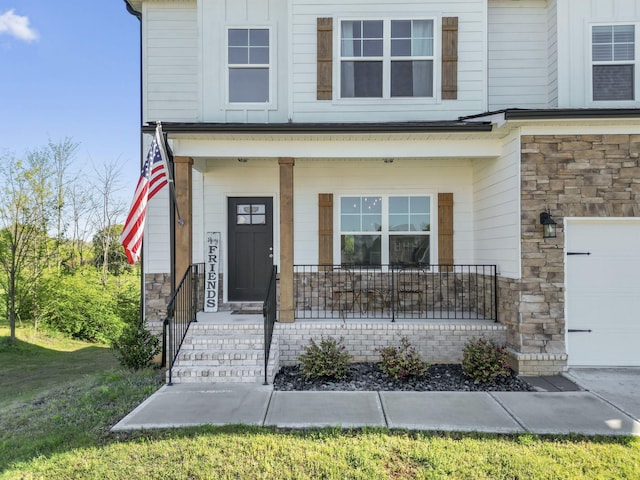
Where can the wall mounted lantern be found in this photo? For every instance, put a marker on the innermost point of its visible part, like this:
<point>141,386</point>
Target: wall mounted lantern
<point>548,225</point>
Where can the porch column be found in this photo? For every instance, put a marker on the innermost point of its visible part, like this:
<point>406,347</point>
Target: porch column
<point>183,233</point>
<point>287,313</point>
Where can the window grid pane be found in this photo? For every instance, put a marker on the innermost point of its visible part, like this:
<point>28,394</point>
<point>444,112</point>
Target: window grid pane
<point>361,214</point>
<point>412,38</point>
<point>361,38</point>
<point>360,250</point>
<point>613,82</point>
<point>613,43</point>
<point>248,46</point>
<point>249,85</point>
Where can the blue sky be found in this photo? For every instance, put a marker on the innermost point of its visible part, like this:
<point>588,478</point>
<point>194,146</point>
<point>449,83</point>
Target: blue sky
<point>71,68</point>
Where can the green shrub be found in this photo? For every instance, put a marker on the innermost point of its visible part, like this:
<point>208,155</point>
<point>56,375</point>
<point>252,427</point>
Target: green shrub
<point>483,361</point>
<point>126,294</point>
<point>78,306</point>
<point>402,362</point>
<point>136,347</point>
<point>328,359</point>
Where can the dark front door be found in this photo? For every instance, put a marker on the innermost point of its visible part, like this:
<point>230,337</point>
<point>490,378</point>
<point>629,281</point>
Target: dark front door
<point>250,247</point>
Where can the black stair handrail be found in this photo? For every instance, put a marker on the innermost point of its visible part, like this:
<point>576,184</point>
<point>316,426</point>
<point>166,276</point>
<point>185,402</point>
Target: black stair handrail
<point>182,309</point>
<point>269,312</point>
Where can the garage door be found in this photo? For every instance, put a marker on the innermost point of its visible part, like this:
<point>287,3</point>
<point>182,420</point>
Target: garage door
<point>602,267</point>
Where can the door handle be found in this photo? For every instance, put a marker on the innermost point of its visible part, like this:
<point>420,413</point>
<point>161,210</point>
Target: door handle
<point>271,255</point>
<point>573,330</point>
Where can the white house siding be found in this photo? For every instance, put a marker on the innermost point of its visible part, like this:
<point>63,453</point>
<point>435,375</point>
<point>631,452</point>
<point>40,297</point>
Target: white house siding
<point>574,68</point>
<point>224,178</point>
<point>170,70</point>
<point>471,62</point>
<point>215,17</point>
<point>496,194</point>
<point>405,176</point>
<point>518,54</point>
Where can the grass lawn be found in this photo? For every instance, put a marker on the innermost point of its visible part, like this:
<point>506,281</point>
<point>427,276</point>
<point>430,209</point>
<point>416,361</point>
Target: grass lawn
<point>54,424</point>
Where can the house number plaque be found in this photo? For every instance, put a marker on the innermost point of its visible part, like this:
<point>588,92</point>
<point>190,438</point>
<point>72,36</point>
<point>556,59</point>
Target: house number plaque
<point>211,255</point>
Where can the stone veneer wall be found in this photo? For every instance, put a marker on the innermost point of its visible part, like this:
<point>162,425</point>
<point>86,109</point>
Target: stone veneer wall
<point>157,293</point>
<point>572,176</point>
<point>437,342</point>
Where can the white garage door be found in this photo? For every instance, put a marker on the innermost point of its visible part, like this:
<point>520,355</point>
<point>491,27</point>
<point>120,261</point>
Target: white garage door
<point>602,267</point>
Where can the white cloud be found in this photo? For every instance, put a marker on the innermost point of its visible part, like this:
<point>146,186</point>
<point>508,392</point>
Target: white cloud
<point>17,26</point>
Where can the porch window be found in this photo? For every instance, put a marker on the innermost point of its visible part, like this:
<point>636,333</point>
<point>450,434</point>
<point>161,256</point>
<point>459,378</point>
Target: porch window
<point>248,60</point>
<point>386,58</point>
<point>376,230</point>
<point>614,62</point>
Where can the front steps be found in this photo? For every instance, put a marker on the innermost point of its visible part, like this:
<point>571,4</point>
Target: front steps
<point>225,353</point>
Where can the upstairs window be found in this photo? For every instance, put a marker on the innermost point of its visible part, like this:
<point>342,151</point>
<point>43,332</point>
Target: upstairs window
<point>386,58</point>
<point>613,62</point>
<point>249,64</point>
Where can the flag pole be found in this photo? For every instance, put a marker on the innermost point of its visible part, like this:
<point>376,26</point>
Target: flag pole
<point>172,188</point>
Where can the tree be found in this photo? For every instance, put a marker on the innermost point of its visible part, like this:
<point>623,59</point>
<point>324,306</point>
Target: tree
<point>116,260</point>
<point>110,210</point>
<point>25,207</point>
<point>61,156</point>
<point>82,218</point>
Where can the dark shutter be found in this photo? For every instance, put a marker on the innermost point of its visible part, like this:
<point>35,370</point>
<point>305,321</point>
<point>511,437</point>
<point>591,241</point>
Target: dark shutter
<point>325,59</point>
<point>449,58</point>
<point>445,228</point>
<point>325,228</point>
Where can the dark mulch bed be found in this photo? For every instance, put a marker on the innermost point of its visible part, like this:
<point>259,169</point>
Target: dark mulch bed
<point>369,377</point>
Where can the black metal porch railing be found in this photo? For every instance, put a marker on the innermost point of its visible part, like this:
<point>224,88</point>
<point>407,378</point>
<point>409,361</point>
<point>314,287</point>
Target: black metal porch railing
<point>389,291</point>
<point>269,311</point>
<point>182,308</point>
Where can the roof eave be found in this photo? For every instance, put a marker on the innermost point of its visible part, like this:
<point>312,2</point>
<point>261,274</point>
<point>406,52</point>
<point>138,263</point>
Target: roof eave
<point>556,114</point>
<point>319,128</point>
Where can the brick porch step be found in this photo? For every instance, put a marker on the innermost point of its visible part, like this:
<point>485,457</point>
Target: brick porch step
<point>222,353</point>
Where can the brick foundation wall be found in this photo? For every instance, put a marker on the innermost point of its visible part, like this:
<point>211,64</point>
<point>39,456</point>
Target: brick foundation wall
<point>437,342</point>
<point>572,176</point>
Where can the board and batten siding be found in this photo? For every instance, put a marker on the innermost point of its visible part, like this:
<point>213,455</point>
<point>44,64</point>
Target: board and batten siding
<point>170,67</point>
<point>574,43</point>
<point>471,92</point>
<point>496,202</point>
<point>518,54</point>
<point>214,18</point>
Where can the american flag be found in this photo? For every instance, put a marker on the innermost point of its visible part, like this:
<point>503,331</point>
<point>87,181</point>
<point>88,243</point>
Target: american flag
<point>153,177</point>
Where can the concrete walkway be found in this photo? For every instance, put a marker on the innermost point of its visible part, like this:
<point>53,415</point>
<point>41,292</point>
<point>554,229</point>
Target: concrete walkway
<point>607,402</point>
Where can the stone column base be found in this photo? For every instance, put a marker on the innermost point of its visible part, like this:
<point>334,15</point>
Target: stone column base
<point>537,364</point>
